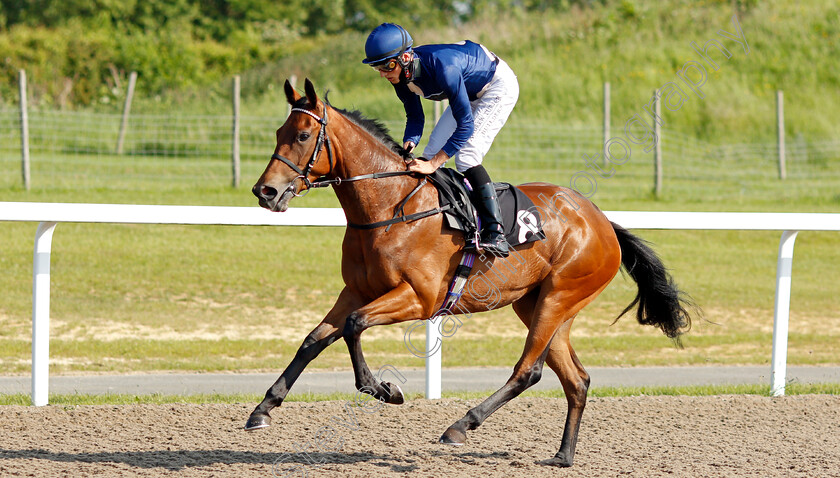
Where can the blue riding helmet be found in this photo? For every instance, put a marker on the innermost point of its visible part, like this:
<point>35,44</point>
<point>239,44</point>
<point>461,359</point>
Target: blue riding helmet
<point>386,41</point>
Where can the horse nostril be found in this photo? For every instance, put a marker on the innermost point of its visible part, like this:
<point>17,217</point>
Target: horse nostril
<point>267,192</point>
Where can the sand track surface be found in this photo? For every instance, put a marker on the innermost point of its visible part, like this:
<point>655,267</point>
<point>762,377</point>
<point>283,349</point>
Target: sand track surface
<point>722,436</point>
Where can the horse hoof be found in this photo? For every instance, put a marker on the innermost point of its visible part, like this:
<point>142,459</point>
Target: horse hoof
<point>257,421</point>
<point>453,437</point>
<point>395,395</point>
<point>560,462</point>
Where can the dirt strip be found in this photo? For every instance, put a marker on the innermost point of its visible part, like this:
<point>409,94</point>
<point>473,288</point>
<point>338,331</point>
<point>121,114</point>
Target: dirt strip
<point>722,436</point>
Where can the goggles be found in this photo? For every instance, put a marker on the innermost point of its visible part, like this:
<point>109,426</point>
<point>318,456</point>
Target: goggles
<point>387,66</point>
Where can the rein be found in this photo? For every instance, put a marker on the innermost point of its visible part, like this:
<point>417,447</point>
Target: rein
<point>303,174</point>
<point>399,212</point>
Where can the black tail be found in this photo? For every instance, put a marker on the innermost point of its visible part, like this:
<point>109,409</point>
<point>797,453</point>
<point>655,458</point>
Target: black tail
<point>661,303</point>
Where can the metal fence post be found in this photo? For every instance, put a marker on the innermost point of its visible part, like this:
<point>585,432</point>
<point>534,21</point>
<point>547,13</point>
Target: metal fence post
<point>657,151</point>
<point>24,131</point>
<point>235,152</point>
<point>132,81</point>
<point>606,119</point>
<point>780,133</point>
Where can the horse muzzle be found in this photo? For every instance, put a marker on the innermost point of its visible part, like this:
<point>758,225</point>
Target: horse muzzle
<point>271,198</point>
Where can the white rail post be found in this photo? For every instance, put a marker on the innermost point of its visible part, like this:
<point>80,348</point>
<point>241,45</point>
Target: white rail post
<point>433,358</point>
<point>41,314</point>
<point>781,316</point>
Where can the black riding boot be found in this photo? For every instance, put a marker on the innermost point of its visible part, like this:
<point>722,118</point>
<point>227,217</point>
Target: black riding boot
<point>492,231</point>
<point>484,197</point>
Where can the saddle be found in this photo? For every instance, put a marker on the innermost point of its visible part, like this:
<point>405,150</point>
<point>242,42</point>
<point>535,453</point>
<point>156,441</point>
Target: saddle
<point>521,219</point>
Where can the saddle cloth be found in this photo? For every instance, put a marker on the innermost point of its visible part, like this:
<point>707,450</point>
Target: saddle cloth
<point>521,219</point>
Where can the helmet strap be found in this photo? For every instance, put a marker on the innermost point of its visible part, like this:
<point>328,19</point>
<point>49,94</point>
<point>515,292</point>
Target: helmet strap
<point>409,67</point>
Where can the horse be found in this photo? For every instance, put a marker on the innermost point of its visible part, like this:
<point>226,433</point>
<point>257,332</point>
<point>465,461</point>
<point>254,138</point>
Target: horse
<point>400,273</point>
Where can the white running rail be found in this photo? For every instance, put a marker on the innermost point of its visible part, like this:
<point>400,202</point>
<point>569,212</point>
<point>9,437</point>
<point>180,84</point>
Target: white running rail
<point>49,214</point>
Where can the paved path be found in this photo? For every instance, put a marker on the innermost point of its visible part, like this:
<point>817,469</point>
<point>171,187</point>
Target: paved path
<point>456,379</point>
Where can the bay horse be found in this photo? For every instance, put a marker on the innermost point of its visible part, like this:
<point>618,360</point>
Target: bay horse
<point>401,273</point>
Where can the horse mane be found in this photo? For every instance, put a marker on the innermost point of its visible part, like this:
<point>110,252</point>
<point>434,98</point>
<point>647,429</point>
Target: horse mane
<point>373,126</point>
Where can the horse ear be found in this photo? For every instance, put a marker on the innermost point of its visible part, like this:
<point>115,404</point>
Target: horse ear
<point>291,94</point>
<point>309,88</point>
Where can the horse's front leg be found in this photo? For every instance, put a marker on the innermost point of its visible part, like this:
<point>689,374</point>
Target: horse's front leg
<point>398,305</point>
<point>327,332</point>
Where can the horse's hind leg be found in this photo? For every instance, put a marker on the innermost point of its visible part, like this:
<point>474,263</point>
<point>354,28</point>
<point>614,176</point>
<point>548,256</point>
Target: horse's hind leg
<point>575,380</point>
<point>563,360</point>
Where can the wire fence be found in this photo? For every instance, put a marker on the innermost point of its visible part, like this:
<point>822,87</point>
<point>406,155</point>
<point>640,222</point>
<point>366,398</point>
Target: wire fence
<point>78,150</point>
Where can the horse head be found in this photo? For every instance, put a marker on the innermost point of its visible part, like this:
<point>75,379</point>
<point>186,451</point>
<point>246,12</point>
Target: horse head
<point>303,152</point>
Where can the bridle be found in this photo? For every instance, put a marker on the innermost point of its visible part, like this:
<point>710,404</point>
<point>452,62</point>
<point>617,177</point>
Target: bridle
<point>303,175</point>
<point>324,139</point>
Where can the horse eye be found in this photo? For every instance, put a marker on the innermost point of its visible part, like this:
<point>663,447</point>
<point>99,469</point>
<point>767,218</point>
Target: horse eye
<point>303,137</point>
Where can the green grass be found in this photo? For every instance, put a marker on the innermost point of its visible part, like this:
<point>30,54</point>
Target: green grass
<point>151,297</point>
<point>145,297</point>
<point>72,400</point>
<point>202,355</point>
<point>562,56</point>
<point>561,51</point>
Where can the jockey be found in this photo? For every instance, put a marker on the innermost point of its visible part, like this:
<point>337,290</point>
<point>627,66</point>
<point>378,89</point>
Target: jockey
<point>481,89</point>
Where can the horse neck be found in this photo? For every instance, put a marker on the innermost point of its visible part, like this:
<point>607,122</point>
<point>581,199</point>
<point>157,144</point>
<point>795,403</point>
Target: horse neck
<point>357,153</point>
